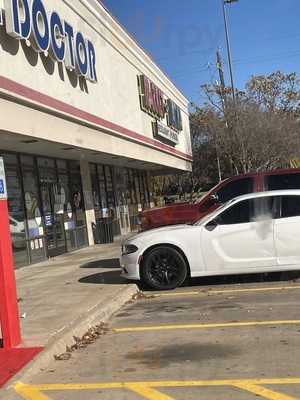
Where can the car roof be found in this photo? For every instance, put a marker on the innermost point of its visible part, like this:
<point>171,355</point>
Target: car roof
<point>281,171</point>
<point>286,192</point>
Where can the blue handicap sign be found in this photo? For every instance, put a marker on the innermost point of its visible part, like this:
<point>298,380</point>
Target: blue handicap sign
<point>2,190</point>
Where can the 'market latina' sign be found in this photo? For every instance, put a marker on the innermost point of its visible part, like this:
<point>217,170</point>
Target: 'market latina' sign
<point>49,33</point>
<point>162,131</point>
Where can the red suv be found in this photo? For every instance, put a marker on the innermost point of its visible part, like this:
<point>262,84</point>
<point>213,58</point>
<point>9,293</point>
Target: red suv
<point>180,213</point>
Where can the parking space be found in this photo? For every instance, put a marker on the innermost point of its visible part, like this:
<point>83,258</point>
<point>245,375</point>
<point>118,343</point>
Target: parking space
<point>165,390</point>
<point>237,341</point>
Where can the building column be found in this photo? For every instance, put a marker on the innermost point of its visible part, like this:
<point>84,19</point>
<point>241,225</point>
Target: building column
<point>88,199</point>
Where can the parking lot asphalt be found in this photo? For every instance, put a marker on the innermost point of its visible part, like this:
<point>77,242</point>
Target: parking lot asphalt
<point>236,340</point>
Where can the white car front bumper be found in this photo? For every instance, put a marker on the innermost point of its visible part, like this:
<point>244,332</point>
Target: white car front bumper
<point>130,266</point>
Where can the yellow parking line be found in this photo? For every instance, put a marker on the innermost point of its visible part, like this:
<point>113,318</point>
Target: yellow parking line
<point>263,392</point>
<point>29,392</point>
<point>149,390</point>
<point>263,289</point>
<point>176,294</point>
<point>80,386</point>
<point>203,326</point>
<point>158,384</point>
<point>226,291</point>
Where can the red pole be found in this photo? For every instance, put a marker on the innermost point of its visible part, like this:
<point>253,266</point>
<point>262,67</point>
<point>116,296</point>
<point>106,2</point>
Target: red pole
<point>9,313</point>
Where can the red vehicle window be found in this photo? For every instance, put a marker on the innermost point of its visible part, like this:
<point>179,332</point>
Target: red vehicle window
<point>235,188</point>
<point>283,181</point>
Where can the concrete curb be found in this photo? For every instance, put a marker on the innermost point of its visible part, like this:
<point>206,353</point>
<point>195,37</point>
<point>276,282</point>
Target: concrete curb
<point>100,312</point>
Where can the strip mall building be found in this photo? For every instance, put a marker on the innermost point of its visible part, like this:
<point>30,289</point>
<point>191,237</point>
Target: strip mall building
<point>86,117</point>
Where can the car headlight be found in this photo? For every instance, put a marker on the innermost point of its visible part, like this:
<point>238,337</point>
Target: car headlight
<point>128,249</point>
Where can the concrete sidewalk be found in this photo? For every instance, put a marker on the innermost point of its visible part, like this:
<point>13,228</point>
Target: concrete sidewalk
<point>68,294</point>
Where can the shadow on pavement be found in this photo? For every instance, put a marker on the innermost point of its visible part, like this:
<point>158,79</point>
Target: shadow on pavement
<point>107,263</point>
<point>237,279</point>
<point>108,278</point>
<point>247,278</point>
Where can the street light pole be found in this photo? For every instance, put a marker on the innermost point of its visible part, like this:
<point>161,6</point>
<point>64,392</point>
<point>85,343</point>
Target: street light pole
<point>224,2</point>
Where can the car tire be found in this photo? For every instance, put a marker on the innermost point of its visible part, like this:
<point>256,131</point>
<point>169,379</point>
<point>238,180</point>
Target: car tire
<point>163,268</point>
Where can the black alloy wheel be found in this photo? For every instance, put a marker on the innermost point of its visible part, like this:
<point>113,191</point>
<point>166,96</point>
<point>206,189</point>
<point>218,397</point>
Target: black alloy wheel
<point>163,268</point>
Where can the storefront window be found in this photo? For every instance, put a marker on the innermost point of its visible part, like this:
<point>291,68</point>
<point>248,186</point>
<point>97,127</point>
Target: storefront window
<point>46,207</point>
<point>33,209</point>
<point>146,188</point>
<point>102,186</point>
<point>95,188</point>
<point>137,188</point>
<point>132,187</point>
<point>68,216</point>
<point>16,210</point>
<point>133,203</point>
<point>109,187</point>
<point>142,189</point>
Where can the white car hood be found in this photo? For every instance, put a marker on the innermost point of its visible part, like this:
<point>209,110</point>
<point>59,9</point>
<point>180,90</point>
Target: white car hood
<point>161,231</point>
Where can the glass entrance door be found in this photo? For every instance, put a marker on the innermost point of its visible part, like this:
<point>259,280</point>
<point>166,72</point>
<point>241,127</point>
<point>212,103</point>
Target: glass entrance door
<point>53,198</point>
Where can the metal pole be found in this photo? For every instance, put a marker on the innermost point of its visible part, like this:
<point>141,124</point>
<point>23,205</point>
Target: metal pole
<point>219,167</point>
<point>228,49</point>
<point>9,313</point>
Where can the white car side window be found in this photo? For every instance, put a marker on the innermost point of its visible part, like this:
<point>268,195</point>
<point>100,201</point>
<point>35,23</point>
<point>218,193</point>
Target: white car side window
<point>237,214</point>
<point>251,210</point>
<point>290,206</point>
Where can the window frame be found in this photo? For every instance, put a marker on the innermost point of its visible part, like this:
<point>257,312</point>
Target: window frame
<point>287,175</point>
<point>234,182</point>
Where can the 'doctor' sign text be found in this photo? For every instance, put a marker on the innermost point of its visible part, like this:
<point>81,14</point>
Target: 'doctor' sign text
<point>49,33</point>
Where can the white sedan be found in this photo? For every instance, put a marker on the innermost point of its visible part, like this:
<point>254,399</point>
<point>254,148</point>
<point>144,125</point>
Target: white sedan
<point>258,232</point>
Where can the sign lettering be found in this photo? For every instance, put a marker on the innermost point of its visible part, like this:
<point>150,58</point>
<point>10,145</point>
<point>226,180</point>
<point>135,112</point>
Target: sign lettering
<point>151,98</point>
<point>161,131</point>
<point>174,119</point>
<point>48,33</point>
<point>153,102</point>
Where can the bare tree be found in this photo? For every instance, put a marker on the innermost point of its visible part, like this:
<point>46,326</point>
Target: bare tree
<point>276,92</point>
<point>260,130</point>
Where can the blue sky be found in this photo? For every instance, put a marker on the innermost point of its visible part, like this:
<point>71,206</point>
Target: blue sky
<point>182,37</point>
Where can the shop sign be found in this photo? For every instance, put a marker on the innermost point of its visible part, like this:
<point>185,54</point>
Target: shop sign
<point>161,131</point>
<point>174,119</point>
<point>48,220</point>
<point>69,225</point>
<point>3,190</point>
<point>50,34</point>
<point>151,98</point>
